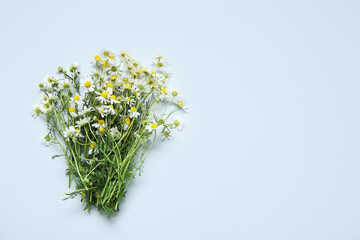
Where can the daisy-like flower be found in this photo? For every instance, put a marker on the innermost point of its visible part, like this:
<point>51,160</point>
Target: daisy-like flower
<point>72,112</point>
<point>46,140</point>
<point>87,83</point>
<point>178,123</point>
<point>93,148</point>
<point>66,84</point>
<point>45,108</point>
<point>130,101</point>
<point>160,61</point>
<point>45,84</point>
<point>86,110</point>
<point>115,132</point>
<point>77,133</point>
<point>105,53</point>
<point>127,123</point>
<point>82,122</point>
<point>77,99</point>
<point>124,55</point>
<point>102,110</point>
<point>133,112</point>
<point>110,87</point>
<point>166,75</point>
<point>127,86</point>
<point>97,60</point>
<point>74,67</point>
<point>163,94</point>
<point>69,133</point>
<point>152,126</point>
<point>180,104</point>
<point>100,124</point>
<point>174,94</point>
<point>103,97</point>
<point>36,110</point>
<point>113,99</point>
<point>110,109</point>
<point>165,135</point>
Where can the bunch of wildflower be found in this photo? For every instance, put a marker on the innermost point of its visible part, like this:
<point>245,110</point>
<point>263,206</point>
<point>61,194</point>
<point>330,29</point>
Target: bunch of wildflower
<point>105,123</point>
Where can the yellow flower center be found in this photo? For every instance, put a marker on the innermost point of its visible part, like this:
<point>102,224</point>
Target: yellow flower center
<point>71,109</point>
<point>180,104</point>
<point>177,123</point>
<point>127,121</point>
<point>154,125</point>
<point>128,85</point>
<point>105,64</point>
<point>113,97</point>
<point>76,98</point>
<point>114,77</point>
<point>111,106</point>
<point>143,122</point>
<point>111,57</point>
<point>163,90</point>
<point>77,130</point>
<point>92,145</point>
<point>109,85</point>
<point>97,57</point>
<point>133,109</point>
<point>101,122</point>
<point>87,84</point>
<point>104,94</point>
<point>101,130</point>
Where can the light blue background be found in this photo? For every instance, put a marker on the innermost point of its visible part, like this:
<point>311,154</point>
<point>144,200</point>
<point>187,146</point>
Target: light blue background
<point>271,144</point>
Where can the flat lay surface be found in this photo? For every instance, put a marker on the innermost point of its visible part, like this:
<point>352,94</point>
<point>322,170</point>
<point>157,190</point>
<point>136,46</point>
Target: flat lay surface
<point>270,148</point>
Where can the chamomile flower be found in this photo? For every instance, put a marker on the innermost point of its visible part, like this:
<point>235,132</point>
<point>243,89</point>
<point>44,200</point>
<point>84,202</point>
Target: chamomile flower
<point>36,110</point>
<point>46,140</point>
<point>100,124</point>
<point>102,110</point>
<point>115,132</point>
<point>110,109</point>
<point>152,126</point>
<point>93,148</point>
<point>124,55</point>
<point>133,112</point>
<point>46,108</point>
<point>174,94</point>
<point>74,67</point>
<point>103,97</point>
<point>82,122</point>
<point>180,105</point>
<point>130,101</point>
<point>69,133</point>
<point>66,84</point>
<point>127,123</point>
<point>87,84</point>
<point>165,135</point>
<point>163,94</point>
<point>86,110</point>
<point>110,87</point>
<point>127,86</point>
<point>77,99</point>
<point>97,60</point>
<point>159,61</point>
<point>178,123</point>
<point>113,99</point>
<point>105,53</point>
<point>72,112</point>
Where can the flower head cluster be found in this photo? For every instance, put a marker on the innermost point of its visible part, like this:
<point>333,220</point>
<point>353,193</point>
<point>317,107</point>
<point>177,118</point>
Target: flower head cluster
<point>107,118</point>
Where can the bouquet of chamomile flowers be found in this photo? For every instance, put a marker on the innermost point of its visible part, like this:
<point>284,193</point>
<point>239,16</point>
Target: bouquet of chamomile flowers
<point>106,123</point>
